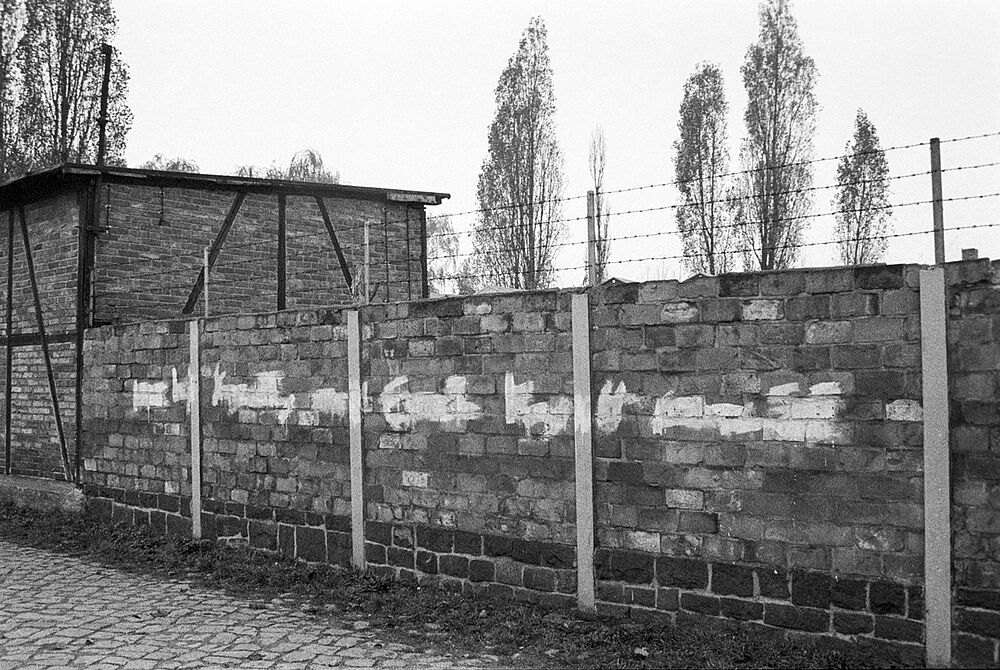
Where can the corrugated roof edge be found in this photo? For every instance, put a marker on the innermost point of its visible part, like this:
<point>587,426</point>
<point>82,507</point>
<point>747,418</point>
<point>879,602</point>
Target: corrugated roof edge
<point>224,182</point>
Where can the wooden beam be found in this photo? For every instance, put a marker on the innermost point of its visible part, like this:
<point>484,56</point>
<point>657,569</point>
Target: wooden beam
<point>87,213</point>
<point>584,448</point>
<point>213,253</point>
<point>281,252</point>
<point>937,465</point>
<point>385,246</point>
<point>9,338</point>
<point>63,452</point>
<point>336,243</point>
<point>425,290</point>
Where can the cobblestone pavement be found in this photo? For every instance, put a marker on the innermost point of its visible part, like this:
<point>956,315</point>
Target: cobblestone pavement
<point>62,612</point>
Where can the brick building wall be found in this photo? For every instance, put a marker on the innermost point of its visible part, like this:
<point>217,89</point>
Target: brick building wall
<point>150,253</point>
<point>758,444</point>
<point>52,235</point>
<point>147,246</point>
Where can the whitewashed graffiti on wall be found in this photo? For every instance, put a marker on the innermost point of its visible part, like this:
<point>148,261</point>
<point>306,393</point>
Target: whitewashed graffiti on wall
<point>147,394</point>
<point>543,418</point>
<point>403,408</point>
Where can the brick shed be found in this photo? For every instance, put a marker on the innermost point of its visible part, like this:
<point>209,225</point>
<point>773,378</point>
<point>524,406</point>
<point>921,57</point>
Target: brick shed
<point>138,255</point>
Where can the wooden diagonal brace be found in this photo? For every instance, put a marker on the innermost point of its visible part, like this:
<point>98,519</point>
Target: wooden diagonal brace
<point>213,253</point>
<point>335,241</point>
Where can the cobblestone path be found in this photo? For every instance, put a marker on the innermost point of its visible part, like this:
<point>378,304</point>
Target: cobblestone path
<point>62,612</point>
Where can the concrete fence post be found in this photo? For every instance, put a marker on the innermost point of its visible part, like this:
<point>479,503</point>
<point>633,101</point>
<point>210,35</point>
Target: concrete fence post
<point>357,454</point>
<point>194,414</point>
<point>937,476</point>
<point>584,452</point>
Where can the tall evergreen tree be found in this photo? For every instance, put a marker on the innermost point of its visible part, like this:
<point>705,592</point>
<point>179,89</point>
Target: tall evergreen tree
<point>520,182</point>
<point>862,199</point>
<point>63,71</point>
<point>771,198</point>
<point>701,158</point>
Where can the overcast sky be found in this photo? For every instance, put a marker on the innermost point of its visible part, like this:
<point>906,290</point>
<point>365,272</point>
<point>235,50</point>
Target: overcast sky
<point>401,95</point>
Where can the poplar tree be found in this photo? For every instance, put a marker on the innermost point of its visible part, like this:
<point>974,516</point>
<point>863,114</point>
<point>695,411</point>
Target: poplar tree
<point>701,158</point>
<point>63,69</point>
<point>597,159</point>
<point>520,182</point>
<point>771,197</point>
<point>862,199</point>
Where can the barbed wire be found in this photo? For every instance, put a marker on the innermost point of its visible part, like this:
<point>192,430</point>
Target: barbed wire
<point>324,233</point>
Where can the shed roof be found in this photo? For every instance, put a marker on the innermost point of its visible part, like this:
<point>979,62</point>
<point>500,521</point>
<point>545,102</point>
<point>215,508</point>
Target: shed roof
<point>34,183</point>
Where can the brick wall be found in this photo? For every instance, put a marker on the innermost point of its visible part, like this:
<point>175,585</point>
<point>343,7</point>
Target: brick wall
<point>974,389</point>
<point>151,253</point>
<point>758,445</point>
<point>52,234</point>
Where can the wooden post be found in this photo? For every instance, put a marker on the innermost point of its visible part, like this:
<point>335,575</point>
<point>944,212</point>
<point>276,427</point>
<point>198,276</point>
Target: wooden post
<point>938,203</point>
<point>205,267</point>
<point>281,252</point>
<point>367,296</point>
<point>591,241</point>
<point>582,418</point>
<point>10,346</point>
<point>357,454</point>
<point>194,414</point>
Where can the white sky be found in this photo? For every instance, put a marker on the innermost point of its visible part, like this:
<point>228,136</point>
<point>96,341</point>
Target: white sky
<point>401,95</point>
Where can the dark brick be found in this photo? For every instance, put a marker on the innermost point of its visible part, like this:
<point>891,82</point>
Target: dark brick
<point>698,522</point>
<point>658,337</point>
<point>851,623</point>
<point>231,526</point>
<point>610,592</point>
<point>742,285</point>
<point>743,610</point>
<point>286,539</point>
<point>263,513</point>
<point>468,543</point>
<point>627,566</point>
<point>849,594</point>
<point>811,589</point>
<point>457,566</point>
<point>294,517</point>
<point>983,599</point>
<point>735,580</point>
<point>539,579</point>
<point>310,544</point>
<point>437,539</point>
<point>667,599</point>
<point>209,531</point>
<point>694,602</point>
<point>178,525</point>
<point>799,618</point>
<point>773,583</point>
<point>168,503</point>
<point>556,556</point>
<point>879,276</point>
<point>338,548</point>
<point>643,597</point>
<point>887,598</point>
<point>685,573</point>
<point>158,521</point>
<point>494,545</point>
<point>980,622</point>
<point>481,570</point>
<point>375,553</point>
<point>427,562</point>
<point>99,509</point>
<point>399,556</point>
<point>263,535</point>
<point>623,471</point>
<point>526,551</point>
<point>892,628</point>
<point>915,602</point>
<point>974,652</point>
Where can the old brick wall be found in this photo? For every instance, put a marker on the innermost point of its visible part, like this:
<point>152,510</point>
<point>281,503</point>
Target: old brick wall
<point>974,389</point>
<point>150,255</point>
<point>760,449</point>
<point>52,234</point>
<point>758,444</point>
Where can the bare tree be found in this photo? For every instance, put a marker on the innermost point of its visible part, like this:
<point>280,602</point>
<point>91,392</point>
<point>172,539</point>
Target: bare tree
<point>12,19</point>
<point>177,164</point>
<point>442,255</point>
<point>771,197</point>
<point>597,157</point>
<point>862,199</point>
<point>700,161</point>
<point>520,182</point>
<point>63,70</point>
